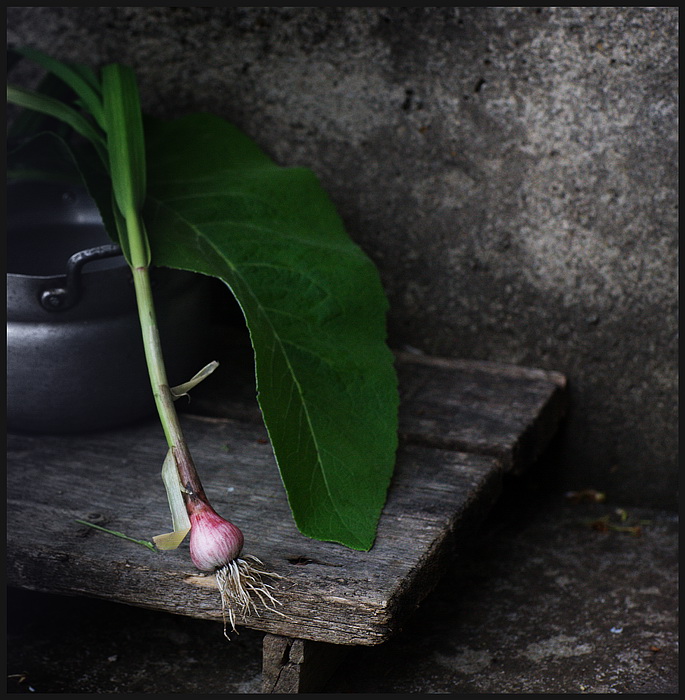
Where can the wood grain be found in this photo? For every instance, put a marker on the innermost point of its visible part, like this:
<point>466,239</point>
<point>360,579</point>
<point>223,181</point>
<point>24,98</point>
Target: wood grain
<point>506,411</point>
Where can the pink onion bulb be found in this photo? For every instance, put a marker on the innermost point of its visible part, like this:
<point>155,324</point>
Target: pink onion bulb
<point>214,542</point>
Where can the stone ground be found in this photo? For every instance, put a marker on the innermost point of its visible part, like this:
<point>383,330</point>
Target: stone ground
<point>553,596</point>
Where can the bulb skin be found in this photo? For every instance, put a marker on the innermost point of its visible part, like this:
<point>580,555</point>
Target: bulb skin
<point>214,541</point>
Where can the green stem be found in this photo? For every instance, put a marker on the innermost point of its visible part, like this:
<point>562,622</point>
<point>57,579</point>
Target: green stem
<point>160,387</point>
<point>145,543</point>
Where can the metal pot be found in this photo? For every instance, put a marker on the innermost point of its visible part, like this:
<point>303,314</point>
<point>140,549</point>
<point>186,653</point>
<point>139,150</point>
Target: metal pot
<point>75,359</point>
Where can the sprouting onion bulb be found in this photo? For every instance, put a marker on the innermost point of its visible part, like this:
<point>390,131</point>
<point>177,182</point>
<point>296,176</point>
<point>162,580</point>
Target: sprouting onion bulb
<point>215,546</point>
<point>214,541</point>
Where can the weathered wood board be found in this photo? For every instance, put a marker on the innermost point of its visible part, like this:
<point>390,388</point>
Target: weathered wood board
<point>480,407</point>
<point>329,593</point>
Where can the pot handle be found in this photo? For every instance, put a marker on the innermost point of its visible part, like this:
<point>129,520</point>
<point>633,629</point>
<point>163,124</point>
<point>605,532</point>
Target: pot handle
<point>62,298</point>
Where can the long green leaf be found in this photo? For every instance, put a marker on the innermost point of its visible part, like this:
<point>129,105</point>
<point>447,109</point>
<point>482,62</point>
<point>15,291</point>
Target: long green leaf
<point>126,148</point>
<point>89,76</point>
<point>80,79</point>
<point>125,136</point>
<point>39,147</point>
<point>29,123</point>
<point>314,306</point>
<point>54,108</point>
<point>48,156</point>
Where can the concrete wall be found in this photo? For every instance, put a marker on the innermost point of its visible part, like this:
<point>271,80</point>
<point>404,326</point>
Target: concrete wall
<point>512,171</point>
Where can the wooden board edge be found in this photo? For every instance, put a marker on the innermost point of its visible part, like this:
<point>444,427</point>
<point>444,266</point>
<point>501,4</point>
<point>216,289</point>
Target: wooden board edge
<point>487,366</point>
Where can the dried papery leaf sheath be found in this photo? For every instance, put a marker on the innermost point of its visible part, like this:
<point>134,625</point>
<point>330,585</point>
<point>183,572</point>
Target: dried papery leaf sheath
<point>179,514</point>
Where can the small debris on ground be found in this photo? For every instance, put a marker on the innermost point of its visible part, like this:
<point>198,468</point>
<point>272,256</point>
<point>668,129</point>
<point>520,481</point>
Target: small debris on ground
<point>585,496</point>
<point>618,521</point>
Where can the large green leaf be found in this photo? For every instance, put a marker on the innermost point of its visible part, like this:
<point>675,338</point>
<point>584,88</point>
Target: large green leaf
<point>314,306</point>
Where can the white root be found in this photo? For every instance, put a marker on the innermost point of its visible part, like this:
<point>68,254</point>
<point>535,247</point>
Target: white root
<point>238,581</point>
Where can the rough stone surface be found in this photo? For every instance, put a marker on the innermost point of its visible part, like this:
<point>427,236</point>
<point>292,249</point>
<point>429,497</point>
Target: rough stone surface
<point>512,171</point>
<point>541,603</point>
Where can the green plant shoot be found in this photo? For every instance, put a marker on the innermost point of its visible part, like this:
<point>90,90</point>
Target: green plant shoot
<point>197,194</point>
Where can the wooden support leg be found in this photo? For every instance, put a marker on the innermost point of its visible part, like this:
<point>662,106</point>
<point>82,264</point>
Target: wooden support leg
<point>298,665</point>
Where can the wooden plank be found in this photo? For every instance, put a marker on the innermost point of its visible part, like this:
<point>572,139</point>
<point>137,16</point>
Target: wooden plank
<point>297,665</point>
<point>329,593</point>
<point>506,411</point>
